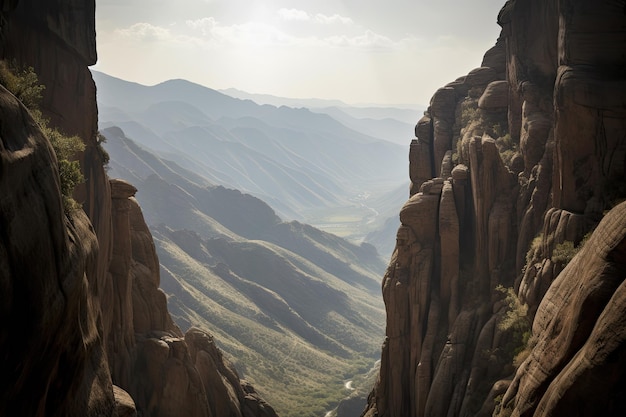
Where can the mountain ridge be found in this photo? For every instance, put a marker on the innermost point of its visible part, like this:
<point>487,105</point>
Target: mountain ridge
<point>227,258</point>
<point>293,159</point>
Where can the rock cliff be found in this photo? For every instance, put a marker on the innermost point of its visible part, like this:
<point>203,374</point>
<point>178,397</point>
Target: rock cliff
<point>512,165</point>
<point>87,331</point>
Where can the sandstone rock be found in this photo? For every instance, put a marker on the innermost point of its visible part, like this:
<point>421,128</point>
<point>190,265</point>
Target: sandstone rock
<point>166,374</point>
<point>580,334</point>
<point>565,87</point>
<point>530,57</point>
<point>463,199</point>
<point>449,242</point>
<point>432,187</point>
<point>480,77</point>
<point>91,305</point>
<point>459,86</point>
<point>443,103</point>
<point>51,348</point>
<point>424,130</point>
<point>124,404</point>
<point>591,106</point>
<point>58,39</point>
<point>447,165</point>
<point>495,97</point>
<point>166,383</point>
<point>498,390</point>
<point>420,164</point>
<point>495,58</point>
<point>442,140</point>
<point>490,181</point>
<point>417,214</point>
<point>593,35</point>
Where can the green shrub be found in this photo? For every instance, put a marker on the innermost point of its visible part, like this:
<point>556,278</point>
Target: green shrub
<point>470,112</point>
<point>516,321</point>
<point>104,155</point>
<point>24,85</point>
<point>535,245</point>
<point>564,252</point>
<point>516,316</point>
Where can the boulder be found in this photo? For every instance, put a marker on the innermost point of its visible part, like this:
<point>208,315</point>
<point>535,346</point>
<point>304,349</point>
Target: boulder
<point>443,103</point>
<point>480,77</point>
<point>124,404</point>
<point>495,97</point>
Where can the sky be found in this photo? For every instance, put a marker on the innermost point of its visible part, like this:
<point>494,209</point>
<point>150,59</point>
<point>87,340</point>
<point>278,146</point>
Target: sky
<point>359,51</point>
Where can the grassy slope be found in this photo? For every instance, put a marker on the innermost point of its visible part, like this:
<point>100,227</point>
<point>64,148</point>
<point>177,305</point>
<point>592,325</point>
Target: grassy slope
<point>296,309</point>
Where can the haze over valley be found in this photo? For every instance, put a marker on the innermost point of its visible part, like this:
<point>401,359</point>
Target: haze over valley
<point>312,209</point>
<point>287,302</point>
<point>307,164</point>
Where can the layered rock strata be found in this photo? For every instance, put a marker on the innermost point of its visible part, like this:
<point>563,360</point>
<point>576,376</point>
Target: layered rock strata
<point>513,163</point>
<point>79,289</point>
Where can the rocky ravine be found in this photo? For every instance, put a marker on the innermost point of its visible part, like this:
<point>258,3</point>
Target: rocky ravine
<point>526,152</point>
<point>87,331</point>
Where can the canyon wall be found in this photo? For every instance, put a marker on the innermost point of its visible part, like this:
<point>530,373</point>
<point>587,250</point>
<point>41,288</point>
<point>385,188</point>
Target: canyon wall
<point>87,331</point>
<point>512,165</point>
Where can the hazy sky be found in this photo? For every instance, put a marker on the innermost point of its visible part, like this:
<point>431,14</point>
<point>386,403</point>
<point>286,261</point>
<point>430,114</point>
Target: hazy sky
<point>358,51</point>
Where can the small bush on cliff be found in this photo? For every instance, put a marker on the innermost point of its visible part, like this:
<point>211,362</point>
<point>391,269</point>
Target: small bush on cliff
<point>564,252</point>
<point>535,246</point>
<point>470,112</point>
<point>104,155</point>
<point>24,85</point>
<point>517,322</point>
<point>481,122</point>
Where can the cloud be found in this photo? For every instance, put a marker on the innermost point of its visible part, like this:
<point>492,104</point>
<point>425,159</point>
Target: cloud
<point>206,26</point>
<point>293,14</point>
<point>370,41</point>
<point>301,15</point>
<point>208,33</point>
<point>145,32</point>
<point>327,20</point>
<point>250,33</point>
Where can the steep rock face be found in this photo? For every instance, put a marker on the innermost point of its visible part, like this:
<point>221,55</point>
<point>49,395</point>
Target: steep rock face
<point>81,304</point>
<point>54,362</point>
<point>57,38</point>
<point>526,152</point>
<point>165,372</point>
<point>578,363</point>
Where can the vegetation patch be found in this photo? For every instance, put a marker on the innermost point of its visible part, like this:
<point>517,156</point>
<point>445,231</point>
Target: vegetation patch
<point>565,251</point>
<point>24,84</point>
<point>516,321</point>
<point>534,248</point>
<point>481,122</point>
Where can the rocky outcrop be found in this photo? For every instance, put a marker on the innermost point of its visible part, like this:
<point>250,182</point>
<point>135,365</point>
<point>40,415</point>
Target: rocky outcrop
<point>81,303</point>
<point>165,372</point>
<point>58,39</point>
<point>577,365</point>
<point>54,361</point>
<point>512,164</point>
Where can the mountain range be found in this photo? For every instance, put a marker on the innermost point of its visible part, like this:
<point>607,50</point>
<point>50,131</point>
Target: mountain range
<point>285,300</point>
<point>307,166</point>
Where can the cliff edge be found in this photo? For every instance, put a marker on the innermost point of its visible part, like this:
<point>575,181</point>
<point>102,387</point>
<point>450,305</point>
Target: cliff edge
<point>87,331</point>
<point>512,166</point>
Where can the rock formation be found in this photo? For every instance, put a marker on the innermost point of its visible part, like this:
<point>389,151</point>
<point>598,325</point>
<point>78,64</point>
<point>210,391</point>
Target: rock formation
<point>513,163</point>
<point>53,358</point>
<point>87,331</point>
